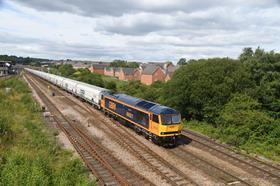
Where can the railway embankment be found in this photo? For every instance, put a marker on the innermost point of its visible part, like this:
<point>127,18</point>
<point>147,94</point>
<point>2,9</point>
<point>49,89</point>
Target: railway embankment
<point>29,152</point>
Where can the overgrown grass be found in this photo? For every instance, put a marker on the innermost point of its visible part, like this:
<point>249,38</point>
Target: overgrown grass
<point>29,154</point>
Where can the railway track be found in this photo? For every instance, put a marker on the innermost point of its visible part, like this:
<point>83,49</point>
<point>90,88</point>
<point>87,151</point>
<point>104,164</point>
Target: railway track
<point>222,176</point>
<point>122,138</point>
<point>157,164</point>
<point>108,169</point>
<point>248,163</point>
<point>164,169</point>
<point>125,139</point>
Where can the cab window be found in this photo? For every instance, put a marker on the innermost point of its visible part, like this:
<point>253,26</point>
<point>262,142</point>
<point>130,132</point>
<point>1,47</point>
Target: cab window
<point>170,119</point>
<point>155,118</point>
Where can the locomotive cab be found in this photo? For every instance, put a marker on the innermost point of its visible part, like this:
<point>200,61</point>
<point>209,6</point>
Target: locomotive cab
<point>170,125</point>
<point>165,121</point>
<point>165,125</point>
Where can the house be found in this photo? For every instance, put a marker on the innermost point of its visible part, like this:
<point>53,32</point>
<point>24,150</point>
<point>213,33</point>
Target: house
<point>170,72</point>
<point>126,74</point>
<point>137,74</point>
<point>151,74</point>
<point>117,72</point>
<point>98,68</point>
<point>109,71</point>
<point>163,65</point>
<point>78,65</point>
<point>147,73</point>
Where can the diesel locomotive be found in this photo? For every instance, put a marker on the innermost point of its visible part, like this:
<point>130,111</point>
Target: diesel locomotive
<point>156,122</point>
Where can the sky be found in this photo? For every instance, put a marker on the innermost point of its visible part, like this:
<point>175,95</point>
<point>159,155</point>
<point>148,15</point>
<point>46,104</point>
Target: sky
<point>137,30</point>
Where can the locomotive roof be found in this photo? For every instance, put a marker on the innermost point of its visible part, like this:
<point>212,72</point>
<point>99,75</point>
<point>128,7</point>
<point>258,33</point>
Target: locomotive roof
<point>144,104</point>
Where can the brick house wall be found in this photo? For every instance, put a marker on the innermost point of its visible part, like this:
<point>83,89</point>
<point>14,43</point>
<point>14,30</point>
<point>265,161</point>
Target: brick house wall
<point>109,72</point>
<point>117,72</point>
<point>126,74</point>
<point>122,76</point>
<point>96,70</point>
<point>157,75</point>
<point>146,79</point>
<point>137,74</point>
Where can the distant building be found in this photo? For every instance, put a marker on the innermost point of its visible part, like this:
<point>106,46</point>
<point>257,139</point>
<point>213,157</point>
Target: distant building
<point>151,74</point>
<point>126,74</point>
<point>79,65</point>
<point>98,68</point>
<point>137,74</point>
<point>170,72</point>
<point>117,71</point>
<point>4,68</point>
<point>109,71</point>
<point>147,73</point>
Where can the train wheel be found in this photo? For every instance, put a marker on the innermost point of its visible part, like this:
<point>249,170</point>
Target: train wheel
<point>155,140</point>
<point>137,130</point>
<point>146,135</point>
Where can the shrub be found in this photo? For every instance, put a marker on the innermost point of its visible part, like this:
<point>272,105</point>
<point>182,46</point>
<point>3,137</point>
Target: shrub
<point>241,121</point>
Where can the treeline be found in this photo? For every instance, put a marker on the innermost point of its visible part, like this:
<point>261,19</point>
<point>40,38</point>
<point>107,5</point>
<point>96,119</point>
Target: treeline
<point>123,63</point>
<point>22,60</point>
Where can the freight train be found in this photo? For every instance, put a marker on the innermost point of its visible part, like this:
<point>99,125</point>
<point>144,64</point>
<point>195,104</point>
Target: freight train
<point>156,122</point>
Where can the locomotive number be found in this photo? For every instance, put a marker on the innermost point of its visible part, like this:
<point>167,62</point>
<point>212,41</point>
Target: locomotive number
<point>130,115</point>
<point>112,105</point>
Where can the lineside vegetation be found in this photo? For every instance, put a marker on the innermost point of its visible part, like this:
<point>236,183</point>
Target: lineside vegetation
<point>29,153</point>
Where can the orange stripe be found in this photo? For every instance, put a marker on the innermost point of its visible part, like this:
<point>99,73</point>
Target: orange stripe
<point>129,119</point>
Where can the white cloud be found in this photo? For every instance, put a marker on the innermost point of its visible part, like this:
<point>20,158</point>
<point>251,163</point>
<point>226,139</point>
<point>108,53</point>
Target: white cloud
<point>150,30</point>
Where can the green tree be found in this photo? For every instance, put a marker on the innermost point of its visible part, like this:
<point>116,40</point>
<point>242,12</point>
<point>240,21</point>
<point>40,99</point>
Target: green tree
<point>265,71</point>
<point>182,61</point>
<point>86,76</point>
<point>246,55</point>
<point>123,63</point>
<point>242,121</point>
<point>200,88</point>
<point>111,85</point>
<point>66,70</point>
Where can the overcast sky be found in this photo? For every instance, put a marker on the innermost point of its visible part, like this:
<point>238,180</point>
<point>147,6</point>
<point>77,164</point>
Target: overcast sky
<point>143,30</point>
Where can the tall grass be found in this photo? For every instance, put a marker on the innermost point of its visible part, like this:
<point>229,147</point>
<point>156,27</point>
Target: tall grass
<point>29,154</point>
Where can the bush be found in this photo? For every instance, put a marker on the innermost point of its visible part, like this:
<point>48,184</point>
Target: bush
<point>20,169</point>
<point>111,85</point>
<point>86,76</point>
<point>66,70</point>
<point>242,123</point>
<point>137,89</point>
